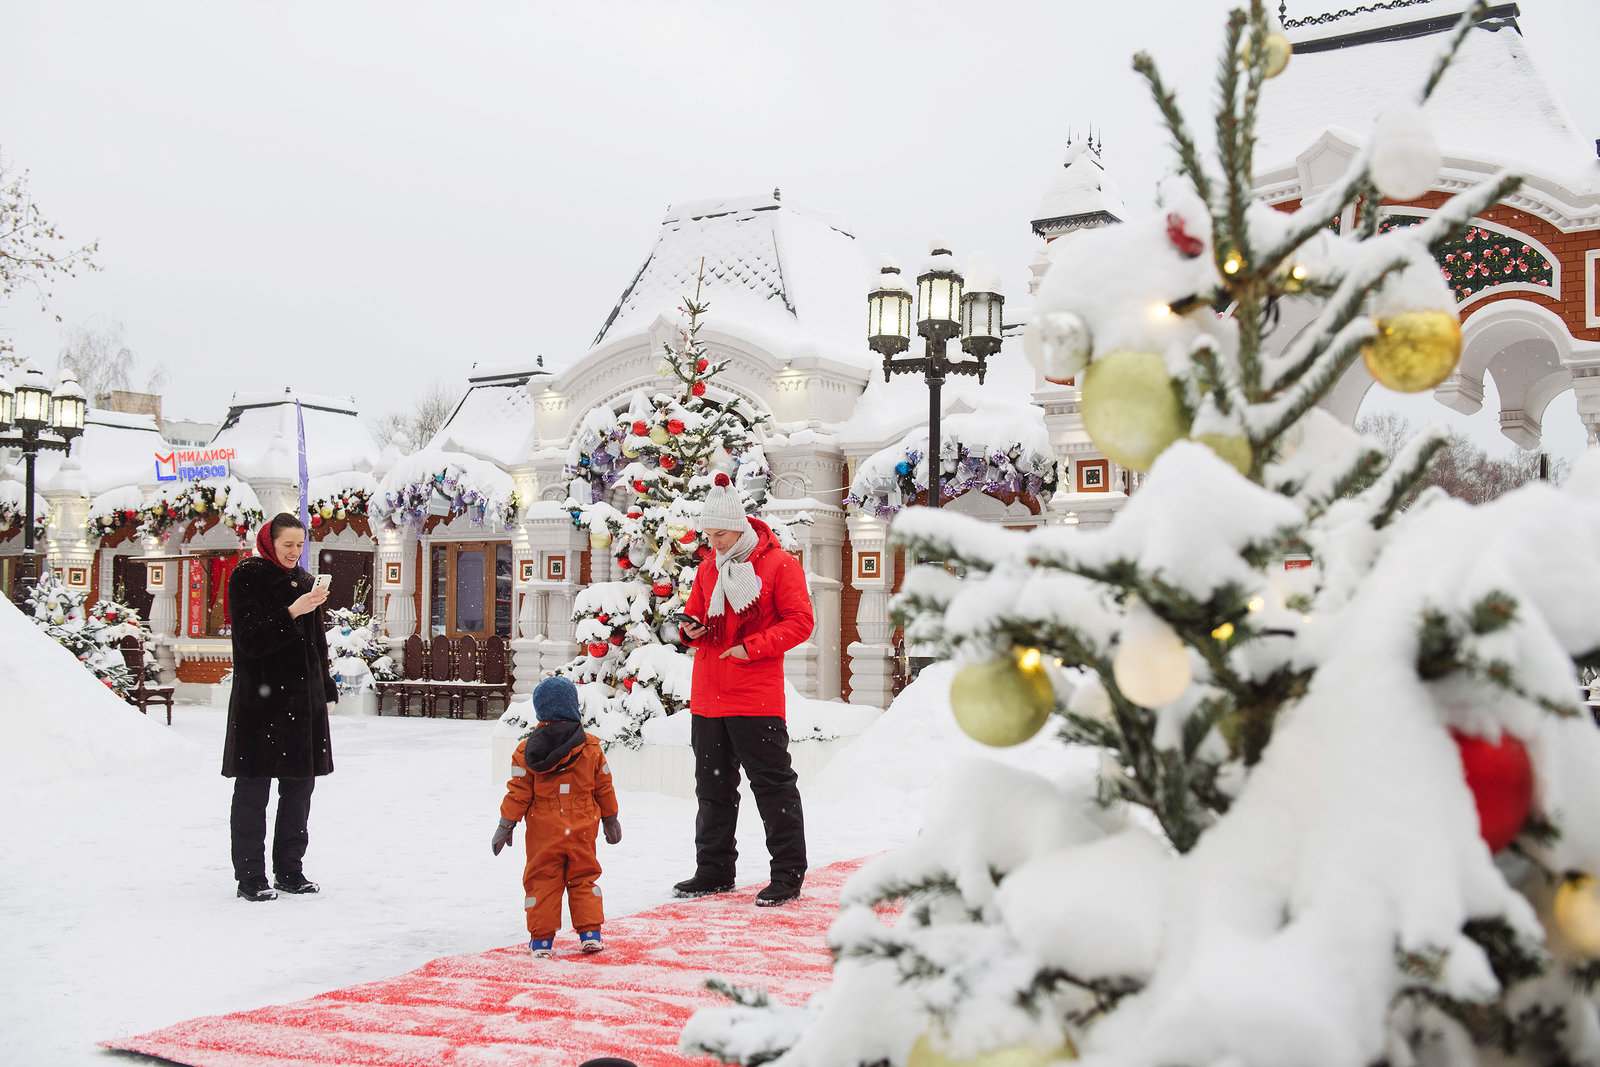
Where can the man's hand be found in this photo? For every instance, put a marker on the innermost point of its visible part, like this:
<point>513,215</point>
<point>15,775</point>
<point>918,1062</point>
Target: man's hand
<point>502,835</point>
<point>693,630</point>
<point>613,828</point>
<point>737,652</point>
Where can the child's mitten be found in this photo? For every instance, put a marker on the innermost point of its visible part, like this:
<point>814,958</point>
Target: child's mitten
<point>502,835</point>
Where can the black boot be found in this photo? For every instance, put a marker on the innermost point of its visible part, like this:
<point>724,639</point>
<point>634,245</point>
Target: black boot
<point>778,893</point>
<point>701,886</point>
<point>295,883</point>
<point>256,889</point>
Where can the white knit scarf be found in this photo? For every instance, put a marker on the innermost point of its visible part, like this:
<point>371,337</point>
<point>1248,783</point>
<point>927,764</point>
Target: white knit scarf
<point>737,585</point>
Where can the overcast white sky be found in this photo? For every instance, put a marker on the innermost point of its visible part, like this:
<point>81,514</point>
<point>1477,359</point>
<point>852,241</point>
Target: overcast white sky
<point>357,198</point>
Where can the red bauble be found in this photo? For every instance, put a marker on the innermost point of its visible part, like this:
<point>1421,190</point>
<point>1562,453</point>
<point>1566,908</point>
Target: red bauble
<point>616,639</point>
<point>662,589</point>
<point>1187,244</point>
<point>640,429</point>
<point>638,485</point>
<point>316,520</point>
<point>674,426</point>
<point>667,463</point>
<point>1501,779</point>
<point>688,537</point>
<point>698,388</point>
<point>625,563</point>
<point>701,365</point>
<point>635,514</point>
<point>598,648</point>
<point>602,618</point>
<point>627,683</point>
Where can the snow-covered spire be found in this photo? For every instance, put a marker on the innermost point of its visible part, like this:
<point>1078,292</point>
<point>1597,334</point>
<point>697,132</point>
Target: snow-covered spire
<point>1081,196</point>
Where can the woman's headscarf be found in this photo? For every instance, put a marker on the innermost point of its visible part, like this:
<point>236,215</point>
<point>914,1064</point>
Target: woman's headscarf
<point>264,547</point>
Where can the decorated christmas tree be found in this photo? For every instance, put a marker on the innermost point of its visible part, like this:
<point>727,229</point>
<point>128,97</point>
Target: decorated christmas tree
<point>1327,793</point>
<point>92,634</point>
<point>358,651</point>
<point>635,482</point>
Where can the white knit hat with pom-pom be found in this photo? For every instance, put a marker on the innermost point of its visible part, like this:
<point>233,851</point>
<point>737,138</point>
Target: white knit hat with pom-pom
<point>723,510</point>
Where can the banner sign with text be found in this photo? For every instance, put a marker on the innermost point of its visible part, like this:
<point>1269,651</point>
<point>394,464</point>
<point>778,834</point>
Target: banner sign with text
<point>193,464</point>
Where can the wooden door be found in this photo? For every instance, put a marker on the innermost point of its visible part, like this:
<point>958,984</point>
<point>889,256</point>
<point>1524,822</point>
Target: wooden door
<point>128,576</point>
<point>352,571</point>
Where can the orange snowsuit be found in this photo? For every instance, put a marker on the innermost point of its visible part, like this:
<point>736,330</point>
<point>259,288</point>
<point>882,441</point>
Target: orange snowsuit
<point>561,810</point>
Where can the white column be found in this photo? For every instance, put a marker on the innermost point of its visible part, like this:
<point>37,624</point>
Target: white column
<point>396,579</point>
<point>872,654</point>
<point>1586,390</point>
<point>552,537</point>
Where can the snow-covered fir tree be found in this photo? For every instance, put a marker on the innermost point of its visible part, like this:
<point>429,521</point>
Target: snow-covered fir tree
<point>93,634</point>
<point>1337,814</point>
<point>635,482</point>
<point>358,650</point>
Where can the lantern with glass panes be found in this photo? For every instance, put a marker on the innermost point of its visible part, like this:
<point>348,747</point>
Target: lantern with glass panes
<point>35,419</point>
<point>947,305</point>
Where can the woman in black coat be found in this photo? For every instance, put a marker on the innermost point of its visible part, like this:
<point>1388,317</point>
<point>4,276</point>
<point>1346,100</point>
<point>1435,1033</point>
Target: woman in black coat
<point>278,712</point>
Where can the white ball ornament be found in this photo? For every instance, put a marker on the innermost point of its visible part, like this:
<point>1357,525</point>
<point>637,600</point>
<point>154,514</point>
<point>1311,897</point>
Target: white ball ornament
<point>1405,157</point>
<point>1058,344</point>
<point>1151,666</point>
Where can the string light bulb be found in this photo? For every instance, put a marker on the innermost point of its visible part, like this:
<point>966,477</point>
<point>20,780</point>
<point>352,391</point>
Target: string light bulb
<point>1256,603</point>
<point>1232,264</point>
<point>1223,632</point>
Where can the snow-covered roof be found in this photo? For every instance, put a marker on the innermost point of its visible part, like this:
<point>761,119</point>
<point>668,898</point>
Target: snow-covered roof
<point>115,449</point>
<point>1082,194</point>
<point>495,420</point>
<point>785,270</point>
<point>261,430</point>
<point>1493,104</point>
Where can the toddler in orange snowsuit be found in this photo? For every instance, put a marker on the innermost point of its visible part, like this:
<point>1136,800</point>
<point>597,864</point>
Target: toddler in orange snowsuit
<point>561,787</point>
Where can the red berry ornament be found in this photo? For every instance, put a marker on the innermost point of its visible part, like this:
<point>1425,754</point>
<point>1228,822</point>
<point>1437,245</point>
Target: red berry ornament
<point>640,429</point>
<point>638,485</point>
<point>1501,779</point>
<point>662,589</point>
<point>627,683</point>
<point>616,639</point>
<point>701,365</point>
<point>698,388</point>
<point>1187,244</point>
<point>674,426</point>
<point>602,618</point>
<point>598,648</point>
<point>668,463</point>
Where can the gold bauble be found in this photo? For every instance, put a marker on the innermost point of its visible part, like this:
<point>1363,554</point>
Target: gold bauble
<point>1414,350</point>
<point>1004,701</point>
<point>1277,50</point>
<point>1131,408</point>
<point>600,540</point>
<point>659,435</point>
<point>1234,449</point>
<point>629,451</point>
<point>923,1054</point>
<point>1577,914</point>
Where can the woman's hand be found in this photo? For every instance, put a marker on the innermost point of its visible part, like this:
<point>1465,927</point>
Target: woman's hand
<point>308,602</point>
<point>737,652</point>
<point>692,630</point>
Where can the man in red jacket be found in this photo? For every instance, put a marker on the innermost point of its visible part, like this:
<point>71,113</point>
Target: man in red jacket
<point>751,605</point>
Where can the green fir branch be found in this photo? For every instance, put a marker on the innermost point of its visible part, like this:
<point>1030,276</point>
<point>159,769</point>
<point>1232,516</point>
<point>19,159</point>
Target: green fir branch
<point>1469,18</point>
<point>744,996</point>
<point>1167,103</point>
<point>1406,474</point>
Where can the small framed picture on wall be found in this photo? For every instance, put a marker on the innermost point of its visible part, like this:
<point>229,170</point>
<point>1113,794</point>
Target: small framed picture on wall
<point>155,576</point>
<point>868,564</point>
<point>78,576</point>
<point>391,574</point>
<point>1093,475</point>
<point>526,571</point>
<point>555,568</point>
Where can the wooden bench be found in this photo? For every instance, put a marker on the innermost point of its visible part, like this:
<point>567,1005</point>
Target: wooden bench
<point>456,670</point>
<point>143,694</point>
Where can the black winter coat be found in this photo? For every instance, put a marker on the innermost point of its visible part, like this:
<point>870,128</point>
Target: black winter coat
<point>278,713</point>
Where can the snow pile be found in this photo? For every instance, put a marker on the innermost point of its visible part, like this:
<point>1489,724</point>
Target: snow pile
<point>358,653</point>
<point>13,510</point>
<point>62,724</point>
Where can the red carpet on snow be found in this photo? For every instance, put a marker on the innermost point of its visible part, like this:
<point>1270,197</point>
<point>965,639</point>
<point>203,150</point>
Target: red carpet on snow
<point>503,1007</point>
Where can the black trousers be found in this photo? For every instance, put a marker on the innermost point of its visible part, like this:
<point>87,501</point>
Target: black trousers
<point>247,822</point>
<point>760,746</point>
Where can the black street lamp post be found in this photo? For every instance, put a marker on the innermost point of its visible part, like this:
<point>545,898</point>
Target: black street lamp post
<point>947,305</point>
<point>33,419</point>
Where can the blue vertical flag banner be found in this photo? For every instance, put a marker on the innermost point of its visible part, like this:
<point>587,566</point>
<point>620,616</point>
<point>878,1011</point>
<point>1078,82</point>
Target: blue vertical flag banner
<point>305,486</point>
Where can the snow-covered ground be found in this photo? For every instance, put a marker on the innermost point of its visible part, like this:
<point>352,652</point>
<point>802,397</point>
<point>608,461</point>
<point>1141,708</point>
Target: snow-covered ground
<point>117,907</point>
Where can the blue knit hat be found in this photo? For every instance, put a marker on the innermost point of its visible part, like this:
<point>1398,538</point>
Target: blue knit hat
<point>556,698</point>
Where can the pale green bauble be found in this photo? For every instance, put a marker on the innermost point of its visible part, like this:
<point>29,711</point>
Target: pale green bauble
<point>1131,409</point>
<point>1231,447</point>
<point>923,1054</point>
<point>1003,701</point>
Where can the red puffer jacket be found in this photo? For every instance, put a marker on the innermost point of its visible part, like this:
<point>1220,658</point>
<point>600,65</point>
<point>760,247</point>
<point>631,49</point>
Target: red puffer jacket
<point>780,619</point>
